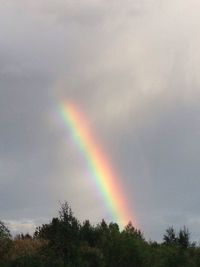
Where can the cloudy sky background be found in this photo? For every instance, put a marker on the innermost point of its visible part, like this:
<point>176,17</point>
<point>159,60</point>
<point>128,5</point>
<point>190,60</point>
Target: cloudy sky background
<point>133,67</point>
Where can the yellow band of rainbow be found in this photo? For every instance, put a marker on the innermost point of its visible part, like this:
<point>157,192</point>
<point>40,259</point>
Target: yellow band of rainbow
<point>102,173</point>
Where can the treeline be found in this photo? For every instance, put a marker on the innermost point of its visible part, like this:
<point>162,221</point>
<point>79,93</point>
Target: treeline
<point>65,242</point>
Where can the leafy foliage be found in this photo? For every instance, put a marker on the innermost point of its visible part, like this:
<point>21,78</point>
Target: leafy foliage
<point>4,232</point>
<point>5,241</point>
<point>65,242</point>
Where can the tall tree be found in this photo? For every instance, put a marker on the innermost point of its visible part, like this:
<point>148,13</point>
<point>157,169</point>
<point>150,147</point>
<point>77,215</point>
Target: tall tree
<point>184,237</point>
<point>170,237</point>
<point>5,240</point>
<point>4,231</point>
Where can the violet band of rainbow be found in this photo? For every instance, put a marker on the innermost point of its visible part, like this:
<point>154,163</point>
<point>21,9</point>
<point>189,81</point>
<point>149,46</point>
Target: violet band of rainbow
<point>104,176</point>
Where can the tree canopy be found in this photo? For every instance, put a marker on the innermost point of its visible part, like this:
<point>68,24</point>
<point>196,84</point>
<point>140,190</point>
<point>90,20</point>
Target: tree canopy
<point>67,242</point>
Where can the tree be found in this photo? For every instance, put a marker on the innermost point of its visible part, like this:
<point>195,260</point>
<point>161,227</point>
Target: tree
<point>5,240</point>
<point>170,237</point>
<point>87,234</point>
<point>132,231</point>
<point>62,234</point>
<point>184,237</point>
<point>4,231</point>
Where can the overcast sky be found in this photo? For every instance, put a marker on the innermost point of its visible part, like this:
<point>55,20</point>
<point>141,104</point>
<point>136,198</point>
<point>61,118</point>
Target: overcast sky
<point>133,67</point>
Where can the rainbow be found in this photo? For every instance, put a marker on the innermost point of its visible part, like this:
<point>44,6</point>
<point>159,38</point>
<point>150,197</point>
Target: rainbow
<point>99,166</point>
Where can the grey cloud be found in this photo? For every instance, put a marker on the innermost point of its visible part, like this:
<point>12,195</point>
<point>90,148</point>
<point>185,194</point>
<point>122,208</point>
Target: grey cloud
<point>133,68</point>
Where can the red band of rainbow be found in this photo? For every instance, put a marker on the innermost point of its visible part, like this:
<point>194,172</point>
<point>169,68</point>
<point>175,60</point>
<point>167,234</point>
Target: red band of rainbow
<point>105,179</point>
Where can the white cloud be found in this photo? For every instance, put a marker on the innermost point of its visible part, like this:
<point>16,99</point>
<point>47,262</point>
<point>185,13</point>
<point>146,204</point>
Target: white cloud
<point>24,226</point>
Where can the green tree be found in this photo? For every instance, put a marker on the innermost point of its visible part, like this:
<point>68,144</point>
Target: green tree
<point>88,234</point>
<point>184,237</point>
<point>4,231</point>
<point>63,236</point>
<point>170,237</point>
<point>5,241</point>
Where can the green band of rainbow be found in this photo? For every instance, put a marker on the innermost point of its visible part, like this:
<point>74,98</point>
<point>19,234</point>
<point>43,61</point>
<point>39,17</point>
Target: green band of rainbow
<point>106,182</point>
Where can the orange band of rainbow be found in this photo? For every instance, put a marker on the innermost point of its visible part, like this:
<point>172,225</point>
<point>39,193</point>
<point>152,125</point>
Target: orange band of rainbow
<point>105,179</point>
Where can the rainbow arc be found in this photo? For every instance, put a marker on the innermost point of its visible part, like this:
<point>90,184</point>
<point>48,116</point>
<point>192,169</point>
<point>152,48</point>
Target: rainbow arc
<point>103,174</point>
